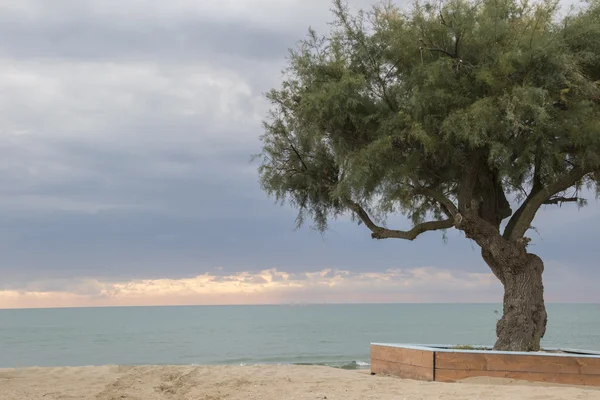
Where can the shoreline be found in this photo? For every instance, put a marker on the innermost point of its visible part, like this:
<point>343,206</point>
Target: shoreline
<point>266,382</point>
<point>343,365</point>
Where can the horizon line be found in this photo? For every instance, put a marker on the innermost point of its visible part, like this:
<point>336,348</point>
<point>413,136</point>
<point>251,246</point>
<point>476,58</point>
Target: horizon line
<point>284,304</point>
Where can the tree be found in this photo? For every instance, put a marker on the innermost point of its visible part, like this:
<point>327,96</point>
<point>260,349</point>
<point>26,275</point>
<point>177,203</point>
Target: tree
<point>464,114</point>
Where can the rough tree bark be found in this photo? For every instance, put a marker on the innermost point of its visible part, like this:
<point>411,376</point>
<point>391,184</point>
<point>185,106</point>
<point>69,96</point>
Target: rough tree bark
<point>524,318</point>
<point>523,323</point>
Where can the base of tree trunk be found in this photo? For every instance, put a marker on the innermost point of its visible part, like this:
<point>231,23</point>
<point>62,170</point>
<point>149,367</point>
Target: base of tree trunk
<point>523,323</point>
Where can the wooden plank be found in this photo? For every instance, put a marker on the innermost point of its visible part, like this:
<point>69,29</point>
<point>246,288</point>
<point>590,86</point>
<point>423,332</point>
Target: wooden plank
<point>420,358</point>
<point>517,363</point>
<point>404,371</point>
<point>453,375</point>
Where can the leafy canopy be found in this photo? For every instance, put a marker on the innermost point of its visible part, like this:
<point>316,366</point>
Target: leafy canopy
<point>429,111</point>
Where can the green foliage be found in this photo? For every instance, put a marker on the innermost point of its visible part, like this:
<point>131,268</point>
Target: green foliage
<point>391,101</point>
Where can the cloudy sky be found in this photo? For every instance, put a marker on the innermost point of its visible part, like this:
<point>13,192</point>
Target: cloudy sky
<point>126,131</point>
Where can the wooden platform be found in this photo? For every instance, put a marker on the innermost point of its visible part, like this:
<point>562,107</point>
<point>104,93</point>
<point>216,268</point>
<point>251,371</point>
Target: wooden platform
<point>444,364</point>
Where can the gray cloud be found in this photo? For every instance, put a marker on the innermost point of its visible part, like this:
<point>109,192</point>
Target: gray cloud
<point>125,137</point>
<point>186,39</point>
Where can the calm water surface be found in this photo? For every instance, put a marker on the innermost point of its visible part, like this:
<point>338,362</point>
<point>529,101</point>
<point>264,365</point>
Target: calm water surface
<point>337,335</point>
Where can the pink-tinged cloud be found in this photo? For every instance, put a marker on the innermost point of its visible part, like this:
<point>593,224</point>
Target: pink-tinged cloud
<point>264,287</point>
<point>417,285</point>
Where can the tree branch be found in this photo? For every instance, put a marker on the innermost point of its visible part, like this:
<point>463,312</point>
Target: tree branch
<point>448,206</point>
<point>456,43</point>
<point>387,75</point>
<point>561,199</point>
<point>297,154</point>
<point>521,221</point>
<point>379,232</point>
<point>468,182</point>
<point>443,52</point>
<point>535,189</point>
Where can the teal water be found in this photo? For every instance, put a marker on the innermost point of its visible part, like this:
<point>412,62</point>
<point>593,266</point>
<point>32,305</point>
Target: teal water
<point>336,335</point>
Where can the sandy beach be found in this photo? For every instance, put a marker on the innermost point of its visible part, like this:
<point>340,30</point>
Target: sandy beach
<point>255,382</point>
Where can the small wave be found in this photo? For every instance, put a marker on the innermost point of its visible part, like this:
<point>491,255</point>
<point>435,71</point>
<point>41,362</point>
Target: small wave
<point>342,364</point>
<point>356,365</point>
<point>351,365</point>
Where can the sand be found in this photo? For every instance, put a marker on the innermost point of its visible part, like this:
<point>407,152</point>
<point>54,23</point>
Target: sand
<point>256,382</point>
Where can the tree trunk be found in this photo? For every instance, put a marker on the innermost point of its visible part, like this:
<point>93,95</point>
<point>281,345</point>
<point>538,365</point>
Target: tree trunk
<point>523,322</point>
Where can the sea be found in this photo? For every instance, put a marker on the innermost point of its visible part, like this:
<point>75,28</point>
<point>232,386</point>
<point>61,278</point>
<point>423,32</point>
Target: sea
<point>333,335</point>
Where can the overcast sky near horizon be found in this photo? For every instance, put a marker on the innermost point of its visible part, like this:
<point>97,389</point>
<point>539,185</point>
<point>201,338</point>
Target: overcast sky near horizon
<point>126,130</point>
